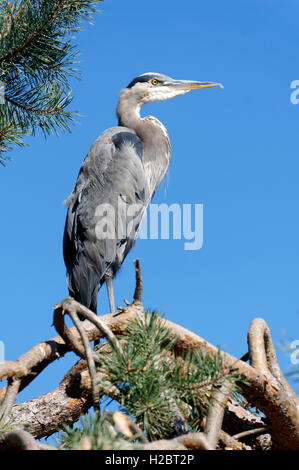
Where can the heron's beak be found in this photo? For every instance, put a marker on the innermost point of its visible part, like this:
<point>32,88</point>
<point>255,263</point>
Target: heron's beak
<point>189,85</point>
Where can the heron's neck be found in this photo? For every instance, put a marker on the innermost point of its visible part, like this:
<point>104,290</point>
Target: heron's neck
<point>154,137</point>
<point>128,110</point>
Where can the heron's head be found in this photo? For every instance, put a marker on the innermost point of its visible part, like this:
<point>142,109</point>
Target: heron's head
<point>157,87</point>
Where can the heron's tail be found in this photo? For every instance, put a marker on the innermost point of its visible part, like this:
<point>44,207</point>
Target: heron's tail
<point>83,286</point>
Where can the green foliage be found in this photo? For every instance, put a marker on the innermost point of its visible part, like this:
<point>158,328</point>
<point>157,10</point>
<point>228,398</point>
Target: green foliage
<point>155,384</point>
<point>99,432</point>
<point>152,378</point>
<point>142,374</point>
<point>5,428</point>
<point>37,59</point>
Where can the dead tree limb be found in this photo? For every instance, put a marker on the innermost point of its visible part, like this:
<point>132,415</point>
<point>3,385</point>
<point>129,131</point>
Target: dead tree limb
<point>71,306</point>
<point>263,356</point>
<point>89,355</point>
<point>229,442</point>
<point>261,389</point>
<point>10,397</point>
<point>252,432</point>
<point>216,412</point>
<point>46,414</point>
<point>139,286</point>
<point>34,361</point>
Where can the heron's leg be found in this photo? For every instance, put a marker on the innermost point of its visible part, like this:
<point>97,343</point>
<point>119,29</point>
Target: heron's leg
<point>109,284</point>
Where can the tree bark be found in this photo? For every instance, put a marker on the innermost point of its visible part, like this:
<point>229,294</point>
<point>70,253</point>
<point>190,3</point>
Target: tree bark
<point>262,389</point>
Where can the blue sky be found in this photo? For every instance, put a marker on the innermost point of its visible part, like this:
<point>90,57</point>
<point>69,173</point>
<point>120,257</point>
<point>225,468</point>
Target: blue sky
<point>236,151</point>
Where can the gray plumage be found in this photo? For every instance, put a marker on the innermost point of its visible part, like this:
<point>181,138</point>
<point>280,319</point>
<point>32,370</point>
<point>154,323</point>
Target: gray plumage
<point>120,173</point>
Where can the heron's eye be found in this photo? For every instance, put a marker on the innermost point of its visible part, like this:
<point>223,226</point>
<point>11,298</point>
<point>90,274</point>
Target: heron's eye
<point>154,81</point>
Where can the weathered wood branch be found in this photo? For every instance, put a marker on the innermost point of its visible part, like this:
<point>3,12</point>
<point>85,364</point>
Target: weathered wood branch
<point>46,414</point>
<point>10,397</point>
<point>216,412</point>
<point>34,361</point>
<point>262,388</point>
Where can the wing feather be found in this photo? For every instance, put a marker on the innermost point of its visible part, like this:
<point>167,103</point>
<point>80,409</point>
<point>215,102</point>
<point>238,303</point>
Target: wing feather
<point>112,177</point>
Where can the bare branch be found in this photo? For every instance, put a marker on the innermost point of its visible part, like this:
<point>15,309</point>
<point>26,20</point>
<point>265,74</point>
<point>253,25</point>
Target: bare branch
<point>74,341</point>
<point>230,442</point>
<point>10,397</point>
<point>262,353</point>
<point>252,432</point>
<point>46,414</point>
<point>139,287</point>
<point>216,412</point>
<point>89,358</point>
<point>34,361</point>
<point>261,389</point>
<point>11,369</point>
<point>71,305</point>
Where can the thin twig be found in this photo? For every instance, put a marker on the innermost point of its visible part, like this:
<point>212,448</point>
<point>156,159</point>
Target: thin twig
<point>72,308</point>
<point>252,432</point>
<point>89,358</point>
<point>20,10</point>
<point>66,333</point>
<point>139,287</point>
<point>230,442</point>
<point>13,19</point>
<point>70,304</point>
<point>57,109</point>
<point>12,391</point>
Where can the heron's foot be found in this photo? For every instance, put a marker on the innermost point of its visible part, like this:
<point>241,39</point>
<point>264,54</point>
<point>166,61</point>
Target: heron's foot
<point>121,309</point>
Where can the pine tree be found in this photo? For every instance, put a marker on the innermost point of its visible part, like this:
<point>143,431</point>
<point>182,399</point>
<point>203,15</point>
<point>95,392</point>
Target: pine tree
<point>155,388</point>
<point>173,389</point>
<point>37,60</point>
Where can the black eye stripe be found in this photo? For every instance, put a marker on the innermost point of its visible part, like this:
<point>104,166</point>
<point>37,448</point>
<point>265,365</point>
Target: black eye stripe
<point>144,78</point>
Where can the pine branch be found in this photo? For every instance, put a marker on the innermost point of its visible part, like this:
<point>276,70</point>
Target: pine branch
<point>34,36</point>
<point>34,110</point>
<point>37,60</point>
<point>264,391</point>
<point>20,10</point>
<point>155,384</point>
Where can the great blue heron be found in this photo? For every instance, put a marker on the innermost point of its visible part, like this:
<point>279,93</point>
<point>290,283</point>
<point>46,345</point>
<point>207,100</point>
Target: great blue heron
<point>124,165</point>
